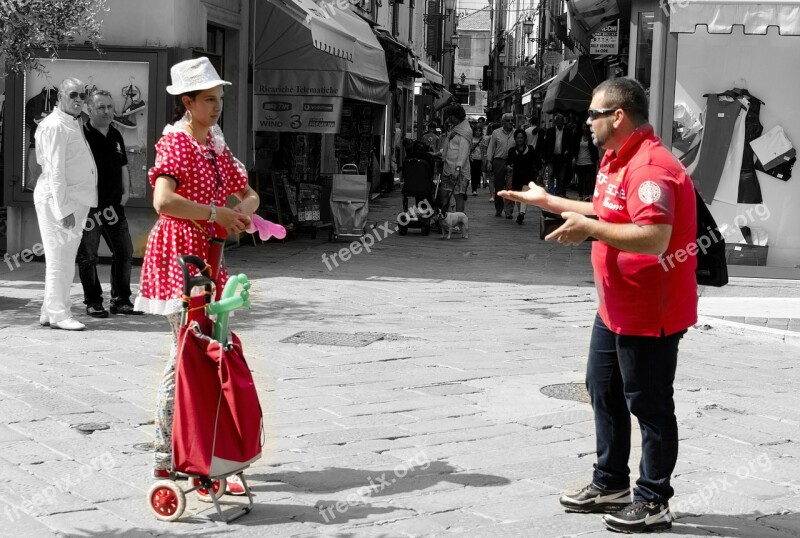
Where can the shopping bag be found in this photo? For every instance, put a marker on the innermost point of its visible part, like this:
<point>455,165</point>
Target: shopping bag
<point>217,424</point>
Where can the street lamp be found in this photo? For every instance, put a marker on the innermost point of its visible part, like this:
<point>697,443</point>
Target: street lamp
<point>527,27</point>
<point>449,6</point>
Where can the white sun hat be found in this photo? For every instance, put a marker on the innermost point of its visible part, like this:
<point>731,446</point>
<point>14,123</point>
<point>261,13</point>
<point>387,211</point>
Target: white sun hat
<point>194,75</point>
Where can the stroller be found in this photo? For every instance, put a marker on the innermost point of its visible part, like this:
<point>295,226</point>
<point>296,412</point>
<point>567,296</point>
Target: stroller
<point>417,183</point>
<point>349,204</point>
<point>217,426</point>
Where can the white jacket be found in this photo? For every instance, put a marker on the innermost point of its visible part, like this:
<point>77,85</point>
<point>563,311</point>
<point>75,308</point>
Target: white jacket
<point>69,174</point>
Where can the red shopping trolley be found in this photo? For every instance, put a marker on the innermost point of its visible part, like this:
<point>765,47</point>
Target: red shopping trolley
<point>217,427</point>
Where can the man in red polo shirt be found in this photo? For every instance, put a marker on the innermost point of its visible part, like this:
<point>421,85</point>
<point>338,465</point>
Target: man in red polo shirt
<point>646,211</point>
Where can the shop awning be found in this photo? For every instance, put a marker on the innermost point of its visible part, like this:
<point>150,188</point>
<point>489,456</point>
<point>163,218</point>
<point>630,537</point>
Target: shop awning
<point>571,91</point>
<point>526,97</point>
<point>299,88</point>
<point>400,61</point>
<point>430,74</point>
<point>588,16</point>
<point>326,34</point>
<point>720,16</point>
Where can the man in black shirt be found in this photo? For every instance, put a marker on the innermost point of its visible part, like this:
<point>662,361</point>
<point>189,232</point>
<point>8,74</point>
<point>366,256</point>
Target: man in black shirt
<point>108,218</point>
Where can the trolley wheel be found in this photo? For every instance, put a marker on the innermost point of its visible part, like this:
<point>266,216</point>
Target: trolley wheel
<point>335,237</point>
<point>403,230</point>
<point>166,500</point>
<point>203,494</point>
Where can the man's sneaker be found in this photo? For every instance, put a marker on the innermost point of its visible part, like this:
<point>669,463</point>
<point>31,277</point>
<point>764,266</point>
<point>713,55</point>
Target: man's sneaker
<point>97,311</point>
<point>135,106</point>
<point>125,308</point>
<point>124,122</point>
<point>68,324</point>
<point>640,516</point>
<point>592,499</point>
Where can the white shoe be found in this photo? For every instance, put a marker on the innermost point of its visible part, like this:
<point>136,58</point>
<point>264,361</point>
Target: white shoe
<point>68,324</point>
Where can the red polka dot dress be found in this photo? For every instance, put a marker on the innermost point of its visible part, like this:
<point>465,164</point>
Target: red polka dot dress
<point>194,167</point>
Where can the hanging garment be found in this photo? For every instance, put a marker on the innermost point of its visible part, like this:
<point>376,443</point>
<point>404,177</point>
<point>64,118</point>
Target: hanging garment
<point>720,119</point>
<point>37,108</point>
<point>728,187</point>
<point>749,188</point>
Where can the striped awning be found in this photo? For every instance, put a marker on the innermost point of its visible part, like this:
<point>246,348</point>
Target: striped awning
<point>720,16</point>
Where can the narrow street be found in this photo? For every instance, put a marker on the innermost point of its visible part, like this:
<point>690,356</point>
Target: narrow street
<point>453,405</point>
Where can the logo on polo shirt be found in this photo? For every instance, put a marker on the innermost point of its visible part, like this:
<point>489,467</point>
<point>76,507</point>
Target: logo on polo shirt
<point>649,192</point>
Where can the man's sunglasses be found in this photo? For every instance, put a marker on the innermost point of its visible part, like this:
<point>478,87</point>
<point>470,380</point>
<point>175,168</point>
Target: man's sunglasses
<point>76,95</point>
<point>595,113</point>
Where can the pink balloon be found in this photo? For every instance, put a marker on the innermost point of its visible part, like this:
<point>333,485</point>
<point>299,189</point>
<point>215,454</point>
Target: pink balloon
<point>265,228</point>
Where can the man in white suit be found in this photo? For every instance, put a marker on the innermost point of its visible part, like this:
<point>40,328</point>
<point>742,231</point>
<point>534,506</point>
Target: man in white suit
<point>63,195</point>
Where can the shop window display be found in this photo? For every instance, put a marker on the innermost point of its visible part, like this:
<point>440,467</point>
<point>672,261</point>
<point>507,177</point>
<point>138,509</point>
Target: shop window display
<point>127,82</point>
<point>735,127</point>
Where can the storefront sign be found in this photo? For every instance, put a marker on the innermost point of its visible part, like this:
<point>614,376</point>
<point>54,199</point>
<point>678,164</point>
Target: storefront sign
<point>606,40</point>
<point>299,114</point>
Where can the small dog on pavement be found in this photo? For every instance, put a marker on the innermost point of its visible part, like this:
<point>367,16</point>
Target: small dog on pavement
<point>451,219</point>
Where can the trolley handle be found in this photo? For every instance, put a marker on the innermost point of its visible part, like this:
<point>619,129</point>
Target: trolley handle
<point>351,167</point>
<point>189,282</point>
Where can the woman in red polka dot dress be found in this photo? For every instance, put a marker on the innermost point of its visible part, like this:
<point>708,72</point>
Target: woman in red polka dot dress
<point>193,176</point>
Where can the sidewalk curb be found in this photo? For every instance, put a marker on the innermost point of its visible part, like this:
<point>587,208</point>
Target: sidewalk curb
<point>705,323</point>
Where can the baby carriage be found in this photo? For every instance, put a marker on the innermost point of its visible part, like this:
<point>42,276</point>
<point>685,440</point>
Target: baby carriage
<point>217,426</point>
<point>417,183</point>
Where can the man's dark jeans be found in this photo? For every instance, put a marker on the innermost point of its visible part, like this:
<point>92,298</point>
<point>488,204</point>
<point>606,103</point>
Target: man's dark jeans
<point>634,374</point>
<point>118,239</point>
<point>561,175</point>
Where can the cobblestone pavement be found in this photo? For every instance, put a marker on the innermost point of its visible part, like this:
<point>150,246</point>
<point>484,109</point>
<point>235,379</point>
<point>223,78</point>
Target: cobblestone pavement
<point>440,427</point>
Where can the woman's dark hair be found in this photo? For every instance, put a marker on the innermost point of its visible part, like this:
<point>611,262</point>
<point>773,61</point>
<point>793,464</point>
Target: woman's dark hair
<point>180,109</point>
<point>627,94</point>
<point>457,111</point>
<point>522,132</point>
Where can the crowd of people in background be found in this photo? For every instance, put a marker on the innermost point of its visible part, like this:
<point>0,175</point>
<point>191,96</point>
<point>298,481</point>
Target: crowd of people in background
<point>508,154</point>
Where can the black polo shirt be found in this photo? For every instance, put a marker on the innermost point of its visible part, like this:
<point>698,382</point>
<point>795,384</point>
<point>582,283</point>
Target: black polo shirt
<point>109,156</point>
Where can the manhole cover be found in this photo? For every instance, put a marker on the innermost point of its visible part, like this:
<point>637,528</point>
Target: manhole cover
<point>90,427</point>
<point>334,339</point>
<point>144,447</point>
<point>567,391</point>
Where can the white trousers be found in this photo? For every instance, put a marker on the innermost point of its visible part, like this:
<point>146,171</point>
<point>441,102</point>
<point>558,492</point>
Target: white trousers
<point>521,207</point>
<point>60,248</point>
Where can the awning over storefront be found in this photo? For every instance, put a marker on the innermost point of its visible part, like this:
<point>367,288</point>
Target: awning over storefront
<point>720,16</point>
<point>430,74</point>
<point>299,88</point>
<point>526,97</point>
<point>588,16</point>
<point>400,61</point>
<point>571,91</point>
<point>326,34</point>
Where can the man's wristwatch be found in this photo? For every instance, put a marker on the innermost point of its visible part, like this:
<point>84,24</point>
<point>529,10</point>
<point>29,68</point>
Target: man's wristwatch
<point>213,215</point>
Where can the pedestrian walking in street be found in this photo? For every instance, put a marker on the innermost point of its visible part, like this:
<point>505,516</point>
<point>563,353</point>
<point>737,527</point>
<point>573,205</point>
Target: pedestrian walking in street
<point>585,162</point>
<point>646,210</point>
<point>558,148</point>
<point>457,146</point>
<point>486,170</point>
<point>107,220</point>
<point>66,189</point>
<point>525,162</point>
<point>476,158</point>
<point>193,176</point>
<point>500,142</point>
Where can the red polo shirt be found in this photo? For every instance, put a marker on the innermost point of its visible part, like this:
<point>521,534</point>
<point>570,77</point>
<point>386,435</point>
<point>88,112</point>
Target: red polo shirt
<point>642,294</point>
